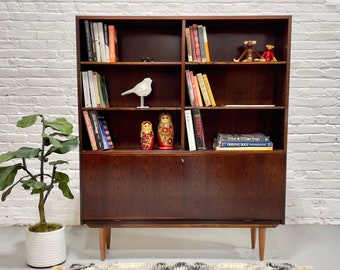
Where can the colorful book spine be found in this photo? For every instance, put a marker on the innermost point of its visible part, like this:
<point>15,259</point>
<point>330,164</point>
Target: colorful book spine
<point>199,130</point>
<point>244,144</point>
<point>90,130</point>
<point>106,133</point>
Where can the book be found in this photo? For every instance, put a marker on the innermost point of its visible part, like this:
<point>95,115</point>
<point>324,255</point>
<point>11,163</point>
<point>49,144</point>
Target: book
<point>243,144</point>
<point>104,99</point>
<point>103,56</point>
<point>190,89</point>
<point>195,90</point>
<point>88,41</point>
<point>96,41</point>
<point>188,43</point>
<point>248,137</point>
<point>96,89</point>
<point>106,42</point>
<point>190,130</point>
<point>113,50</point>
<point>92,90</point>
<point>203,89</point>
<point>90,130</point>
<point>191,32</point>
<point>201,42</point>
<point>206,43</point>
<point>208,87</point>
<point>198,92</point>
<point>93,42</point>
<point>199,130</point>
<point>196,43</point>
<point>86,89</point>
<point>219,148</point>
<point>107,140</point>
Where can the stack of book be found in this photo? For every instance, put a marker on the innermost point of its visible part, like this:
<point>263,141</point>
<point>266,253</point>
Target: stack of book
<point>197,43</point>
<point>94,89</point>
<point>199,90</point>
<point>98,131</point>
<point>101,42</point>
<point>241,142</point>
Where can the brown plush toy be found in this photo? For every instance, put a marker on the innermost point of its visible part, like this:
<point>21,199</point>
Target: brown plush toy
<point>249,52</point>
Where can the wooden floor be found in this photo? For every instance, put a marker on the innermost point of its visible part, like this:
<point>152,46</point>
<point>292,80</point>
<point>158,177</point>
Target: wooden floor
<point>314,245</point>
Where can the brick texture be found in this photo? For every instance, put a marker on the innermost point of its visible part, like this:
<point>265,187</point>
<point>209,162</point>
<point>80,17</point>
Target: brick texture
<point>38,75</point>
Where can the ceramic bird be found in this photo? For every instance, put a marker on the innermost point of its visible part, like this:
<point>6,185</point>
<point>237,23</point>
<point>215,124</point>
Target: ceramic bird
<point>141,89</point>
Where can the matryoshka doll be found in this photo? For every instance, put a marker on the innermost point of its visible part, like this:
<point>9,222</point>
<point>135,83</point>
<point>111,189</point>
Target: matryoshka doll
<point>147,137</point>
<point>165,132</point>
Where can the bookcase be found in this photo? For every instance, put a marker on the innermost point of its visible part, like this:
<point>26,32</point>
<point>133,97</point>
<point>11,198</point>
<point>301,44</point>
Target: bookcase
<point>130,187</point>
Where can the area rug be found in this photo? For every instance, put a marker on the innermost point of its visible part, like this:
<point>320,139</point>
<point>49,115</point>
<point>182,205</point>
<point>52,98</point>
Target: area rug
<point>183,266</point>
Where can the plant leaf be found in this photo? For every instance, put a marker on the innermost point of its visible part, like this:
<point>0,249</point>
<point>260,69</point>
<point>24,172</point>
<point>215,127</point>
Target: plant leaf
<point>34,185</point>
<point>53,141</point>
<point>27,152</point>
<point>60,124</point>
<point>27,121</point>
<point>63,179</point>
<point>7,156</point>
<point>67,146</point>
<point>57,162</point>
<point>7,175</point>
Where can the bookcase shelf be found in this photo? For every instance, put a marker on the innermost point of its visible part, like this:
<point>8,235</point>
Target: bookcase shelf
<point>127,186</point>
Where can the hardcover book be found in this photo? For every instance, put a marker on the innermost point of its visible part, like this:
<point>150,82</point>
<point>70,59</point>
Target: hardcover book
<point>190,130</point>
<point>199,130</point>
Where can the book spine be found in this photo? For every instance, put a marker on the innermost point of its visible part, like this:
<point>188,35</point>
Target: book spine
<point>197,50</point>
<point>93,42</point>
<point>190,88</point>
<point>199,131</point>
<point>218,148</point>
<point>242,138</point>
<point>206,43</point>
<point>102,42</point>
<point>194,59</point>
<point>90,130</point>
<point>96,41</point>
<point>194,90</point>
<point>203,89</point>
<point>112,43</point>
<point>244,144</point>
<point>106,132</point>
<point>96,89</point>
<point>190,130</point>
<point>88,41</point>
<point>86,89</point>
<point>188,43</point>
<point>210,93</point>
<point>92,90</point>
<point>201,41</point>
<point>106,41</point>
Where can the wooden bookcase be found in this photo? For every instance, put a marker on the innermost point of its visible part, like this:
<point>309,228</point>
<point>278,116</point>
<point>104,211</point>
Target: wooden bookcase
<point>130,187</point>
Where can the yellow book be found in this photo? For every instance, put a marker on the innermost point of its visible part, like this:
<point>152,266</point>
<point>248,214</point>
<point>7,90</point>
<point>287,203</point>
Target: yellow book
<point>206,44</point>
<point>210,94</point>
<point>203,89</point>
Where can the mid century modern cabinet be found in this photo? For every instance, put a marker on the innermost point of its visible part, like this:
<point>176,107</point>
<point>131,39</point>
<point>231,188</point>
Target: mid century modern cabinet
<point>131,187</point>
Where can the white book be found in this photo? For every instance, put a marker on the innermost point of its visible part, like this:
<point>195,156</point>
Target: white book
<point>86,89</point>
<point>102,42</point>
<point>190,130</point>
<point>92,90</point>
<point>96,41</point>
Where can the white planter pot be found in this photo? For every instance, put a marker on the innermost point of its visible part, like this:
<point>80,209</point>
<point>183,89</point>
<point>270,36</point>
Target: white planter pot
<point>45,249</point>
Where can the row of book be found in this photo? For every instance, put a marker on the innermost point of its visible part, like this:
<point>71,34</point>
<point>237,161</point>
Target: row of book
<point>98,131</point>
<point>195,130</point>
<point>197,43</point>
<point>101,42</point>
<point>94,90</point>
<point>199,90</point>
<point>241,142</point>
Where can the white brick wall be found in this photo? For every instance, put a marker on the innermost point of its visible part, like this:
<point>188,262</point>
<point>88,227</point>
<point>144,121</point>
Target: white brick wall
<point>38,74</point>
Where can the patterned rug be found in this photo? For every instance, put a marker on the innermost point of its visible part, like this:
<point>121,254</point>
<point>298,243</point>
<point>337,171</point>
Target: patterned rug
<point>183,266</point>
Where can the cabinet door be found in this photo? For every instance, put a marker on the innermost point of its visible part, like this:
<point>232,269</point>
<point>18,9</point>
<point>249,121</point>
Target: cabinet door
<point>242,188</point>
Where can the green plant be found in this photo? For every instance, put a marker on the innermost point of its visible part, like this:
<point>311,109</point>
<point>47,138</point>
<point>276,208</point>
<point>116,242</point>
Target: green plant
<point>42,176</point>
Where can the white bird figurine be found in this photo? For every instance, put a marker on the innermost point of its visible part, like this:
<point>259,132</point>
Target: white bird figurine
<point>141,89</point>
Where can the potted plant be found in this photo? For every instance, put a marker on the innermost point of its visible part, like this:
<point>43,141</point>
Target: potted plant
<point>38,173</point>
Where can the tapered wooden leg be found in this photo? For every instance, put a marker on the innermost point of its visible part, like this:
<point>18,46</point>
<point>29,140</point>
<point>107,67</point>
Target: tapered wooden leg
<point>262,242</point>
<point>103,242</point>
<point>108,237</point>
<point>253,231</point>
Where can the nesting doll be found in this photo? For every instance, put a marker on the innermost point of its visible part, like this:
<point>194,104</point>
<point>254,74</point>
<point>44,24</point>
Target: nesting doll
<point>165,132</point>
<point>146,135</point>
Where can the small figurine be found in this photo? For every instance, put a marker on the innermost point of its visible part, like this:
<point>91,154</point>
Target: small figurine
<point>249,52</point>
<point>141,89</point>
<point>165,132</point>
<point>147,138</point>
<point>268,55</point>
